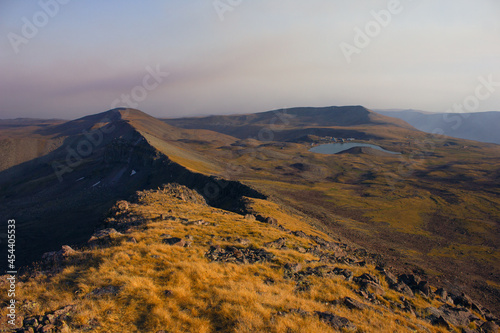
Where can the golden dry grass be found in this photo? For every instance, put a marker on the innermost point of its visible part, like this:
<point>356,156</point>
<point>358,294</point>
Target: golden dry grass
<point>164,287</point>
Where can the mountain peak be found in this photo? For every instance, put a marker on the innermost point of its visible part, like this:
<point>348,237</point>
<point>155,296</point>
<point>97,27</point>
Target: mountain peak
<point>123,114</point>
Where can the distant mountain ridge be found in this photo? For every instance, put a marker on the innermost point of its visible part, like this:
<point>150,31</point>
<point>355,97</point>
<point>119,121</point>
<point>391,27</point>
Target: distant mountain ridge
<point>291,123</point>
<point>478,126</point>
<point>310,116</point>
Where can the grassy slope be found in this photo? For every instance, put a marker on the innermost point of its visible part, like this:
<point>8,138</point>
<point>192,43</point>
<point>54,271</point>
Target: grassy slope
<point>203,296</point>
<point>436,219</point>
<point>435,207</point>
<point>437,211</point>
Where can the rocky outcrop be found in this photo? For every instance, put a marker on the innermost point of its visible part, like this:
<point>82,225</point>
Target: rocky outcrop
<point>233,254</point>
<point>176,241</point>
<point>280,243</point>
<point>58,257</point>
<point>337,322</point>
<point>104,237</point>
<point>51,322</point>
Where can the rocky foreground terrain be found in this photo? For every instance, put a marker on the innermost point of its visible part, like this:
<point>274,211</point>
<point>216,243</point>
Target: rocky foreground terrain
<point>166,261</point>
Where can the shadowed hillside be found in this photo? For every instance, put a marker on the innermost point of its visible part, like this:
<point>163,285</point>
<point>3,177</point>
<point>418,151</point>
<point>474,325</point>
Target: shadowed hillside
<point>59,195</point>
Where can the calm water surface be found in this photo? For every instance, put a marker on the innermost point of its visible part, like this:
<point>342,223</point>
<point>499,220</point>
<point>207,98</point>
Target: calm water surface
<point>334,148</point>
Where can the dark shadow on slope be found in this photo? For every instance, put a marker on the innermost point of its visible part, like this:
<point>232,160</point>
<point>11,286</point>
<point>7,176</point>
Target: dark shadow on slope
<point>50,213</point>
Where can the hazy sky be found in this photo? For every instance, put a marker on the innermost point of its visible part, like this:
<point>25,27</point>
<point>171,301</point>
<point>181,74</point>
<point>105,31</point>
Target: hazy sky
<point>67,59</point>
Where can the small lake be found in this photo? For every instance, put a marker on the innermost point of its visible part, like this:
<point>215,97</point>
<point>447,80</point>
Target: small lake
<point>334,148</point>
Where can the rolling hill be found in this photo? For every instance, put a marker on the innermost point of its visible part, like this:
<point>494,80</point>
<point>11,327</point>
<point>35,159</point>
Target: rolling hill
<point>432,210</point>
<point>292,123</point>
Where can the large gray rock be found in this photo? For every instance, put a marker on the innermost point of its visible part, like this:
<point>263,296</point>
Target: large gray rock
<point>103,237</point>
<point>337,322</point>
<point>457,316</point>
<point>353,304</point>
<point>176,241</point>
<point>51,258</point>
<point>276,244</point>
<point>489,327</point>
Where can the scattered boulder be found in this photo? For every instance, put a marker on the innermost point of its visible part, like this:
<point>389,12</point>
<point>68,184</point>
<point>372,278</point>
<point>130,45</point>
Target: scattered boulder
<point>425,288</point>
<point>489,327</point>
<point>124,221</point>
<point>365,278</point>
<point>440,321</point>
<point>443,294</point>
<point>293,267</point>
<point>370,283</point>
<point>32,321</point>
<point>490,317</point>
<point>234,254</point>
<point>176,241</point>
<point>410,280</point>
<point>337,322</point>
<point>250,217</point>
<point>279,243</point>
<point>300,249</point>
<point>122,205</point>
<point>353,304</point>
<point>107,290</point>
<point>389,277</point>
<point>271,221</point>
<point>50,322</point>
<point>103,237</point>
<point>183,193</point>
<point>403,288</point>
<point>241,241</point>
<point>457,316</point>
<point>462,300</point>
<point>299,233</point>
<point>55,258</point>
<point>49,328</point>
<point>325,245</point>
<point>197,222</point>
<point>64,311</point>
<point>120,208</point>
<point>407,305</point>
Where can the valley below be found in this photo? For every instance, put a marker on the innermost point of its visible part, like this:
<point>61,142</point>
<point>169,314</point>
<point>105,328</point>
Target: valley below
<point>430,213</point>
